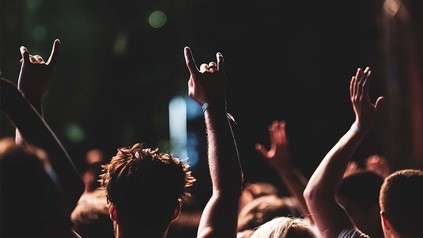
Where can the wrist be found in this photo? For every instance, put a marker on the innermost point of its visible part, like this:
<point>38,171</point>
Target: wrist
<point>358,129</point>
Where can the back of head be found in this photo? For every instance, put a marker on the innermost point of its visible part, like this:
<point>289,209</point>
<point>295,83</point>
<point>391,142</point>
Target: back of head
<point>145,185</point>
<point>94,160</point>
<point>285,227</point>
<point>402,203</point>
<point>264,209</point>
<point>30,205</point>
<point>361,188</point>
<point>358,193</point>
<point>254,190</point>
<point>91,216</point>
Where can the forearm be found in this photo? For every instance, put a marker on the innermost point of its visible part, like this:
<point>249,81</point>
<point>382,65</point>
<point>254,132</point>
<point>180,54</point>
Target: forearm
<point>223,155</point>
<point>219,218</point>
<point>295,182</point>
<point>330,171</point>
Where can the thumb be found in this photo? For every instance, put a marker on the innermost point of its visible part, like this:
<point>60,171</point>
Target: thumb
<point>260,148</point>
<point>380,104</point>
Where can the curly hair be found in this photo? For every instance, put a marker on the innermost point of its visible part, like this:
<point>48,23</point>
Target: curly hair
<point>146,185</point>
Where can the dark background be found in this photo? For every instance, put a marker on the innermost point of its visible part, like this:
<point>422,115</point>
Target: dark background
<point>285,60</point>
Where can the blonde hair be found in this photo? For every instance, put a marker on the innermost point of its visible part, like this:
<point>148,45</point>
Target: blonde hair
<point>285,227</point>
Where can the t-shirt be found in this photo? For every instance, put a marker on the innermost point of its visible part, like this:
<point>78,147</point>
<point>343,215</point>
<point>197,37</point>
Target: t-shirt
<point>352,233</point>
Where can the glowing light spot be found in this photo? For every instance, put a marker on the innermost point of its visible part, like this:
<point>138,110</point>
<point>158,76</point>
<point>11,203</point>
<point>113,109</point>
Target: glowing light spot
<point>121,44</point>
<point>157,19</point>
<point>74,133</point>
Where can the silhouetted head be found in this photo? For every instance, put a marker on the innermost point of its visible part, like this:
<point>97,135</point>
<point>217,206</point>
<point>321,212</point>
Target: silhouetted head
<point>30,202</point>
<point>91,216</point>
<point>264,209</point>
<point>401,203</point>
<point>358,193</point>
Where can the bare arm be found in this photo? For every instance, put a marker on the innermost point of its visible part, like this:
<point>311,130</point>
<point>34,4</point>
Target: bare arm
<point>31,127</point>
<point>329,217</point>
<point>207,86</point>
<point>279,157</point>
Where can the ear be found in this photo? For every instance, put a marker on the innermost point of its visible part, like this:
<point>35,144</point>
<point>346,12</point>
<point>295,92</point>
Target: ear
<point>177,211</point>
<point>112,212</point>
<point>385,222</point>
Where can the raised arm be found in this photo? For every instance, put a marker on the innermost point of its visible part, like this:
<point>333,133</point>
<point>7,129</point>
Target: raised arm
<point>329,217</point>
<point>279,158</point>
<point>207,87</point>
<point>23,108</point>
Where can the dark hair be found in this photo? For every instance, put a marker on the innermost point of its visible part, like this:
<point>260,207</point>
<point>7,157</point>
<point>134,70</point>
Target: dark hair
<point>402,202</point>
<point>30,202</point>
<point>361,188</point>
<point>146,185</point>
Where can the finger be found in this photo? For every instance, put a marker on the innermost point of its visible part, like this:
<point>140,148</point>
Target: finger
<point>204,67</point>
<point>260,148</point>
<point>25,55</point>
<point>54,53</point>
<point>39,59</point>
<point>189,61</point>
<point>380,103</point>
<point>212,66</point>
<point>32,59</point>
<point>366,84</point>
<point>360,81</point>
<point>356,80</point>
<point>352,86</point>
<point>220,62</point>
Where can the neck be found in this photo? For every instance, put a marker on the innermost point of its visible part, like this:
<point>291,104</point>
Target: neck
<point>139,232</point>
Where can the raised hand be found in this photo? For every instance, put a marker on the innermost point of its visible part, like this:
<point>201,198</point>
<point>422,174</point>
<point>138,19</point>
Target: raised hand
<point>365,111</point>
<point>278,155</point>
<point>207,84</point>
<point>36,74</point>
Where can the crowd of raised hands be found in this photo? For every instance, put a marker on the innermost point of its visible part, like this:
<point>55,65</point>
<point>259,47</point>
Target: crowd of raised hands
<point>141,191</point>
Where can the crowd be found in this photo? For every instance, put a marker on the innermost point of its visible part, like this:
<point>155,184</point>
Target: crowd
<point>141,191</point>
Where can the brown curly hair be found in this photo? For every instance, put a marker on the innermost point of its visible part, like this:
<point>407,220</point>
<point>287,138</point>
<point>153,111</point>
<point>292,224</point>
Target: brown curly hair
<point>146,185</point>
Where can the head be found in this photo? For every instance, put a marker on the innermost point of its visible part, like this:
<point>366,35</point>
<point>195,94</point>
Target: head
<point>401,203</point>
<point>94,159</point>
<point>145,188</point>
<point>285,227</point>
<point>29,195</point>
<point>254,190</point>
<point>358,193</point>
<point>264,209</point>
<point>91,216</point>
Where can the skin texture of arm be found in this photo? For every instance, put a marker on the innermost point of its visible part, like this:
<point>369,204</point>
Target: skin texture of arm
<point>208,85</point>
<point>279,158</point>
<point>329,217</point>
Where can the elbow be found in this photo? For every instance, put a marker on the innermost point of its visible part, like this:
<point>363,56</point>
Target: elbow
<point>309,194</point>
